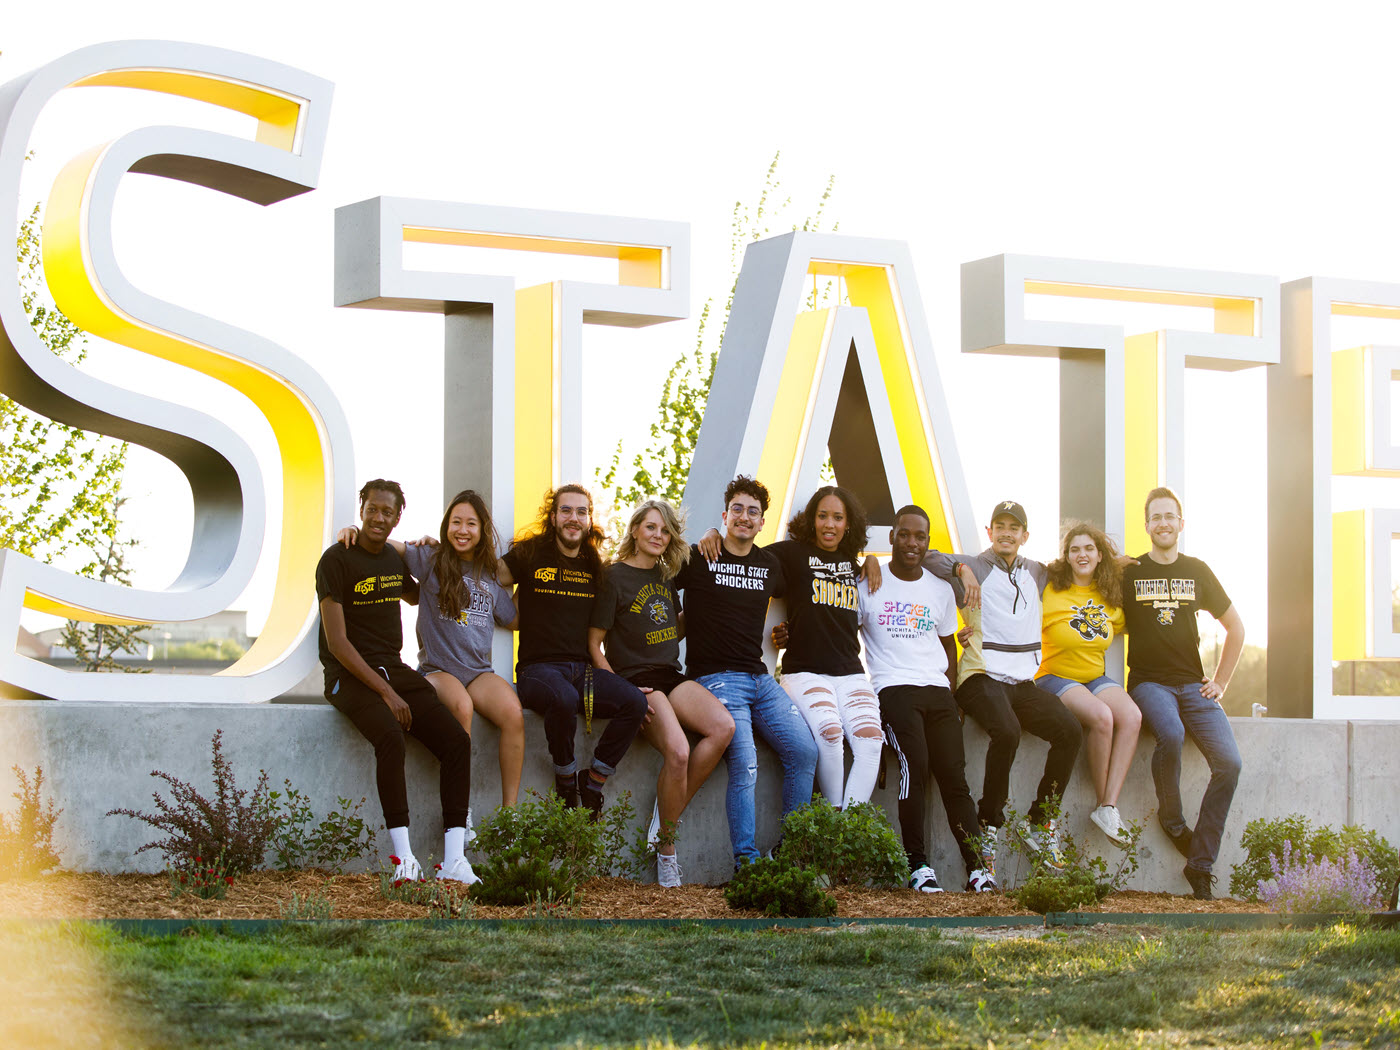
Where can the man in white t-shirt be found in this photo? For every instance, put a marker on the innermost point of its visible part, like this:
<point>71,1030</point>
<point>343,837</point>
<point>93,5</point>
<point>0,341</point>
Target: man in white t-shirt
<point>908,629</point>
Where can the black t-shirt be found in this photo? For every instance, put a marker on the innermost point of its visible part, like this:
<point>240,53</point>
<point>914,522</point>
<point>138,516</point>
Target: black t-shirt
<point>1160,604</point>
<point>368,588</point>
<point>726,604</point>
<point>822,609</point>
<point>638,610</point>
<point>555,596</point>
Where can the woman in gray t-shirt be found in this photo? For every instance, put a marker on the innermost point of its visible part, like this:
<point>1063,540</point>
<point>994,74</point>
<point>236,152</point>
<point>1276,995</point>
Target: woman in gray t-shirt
<point>637,618</point>
<point>457,623</point>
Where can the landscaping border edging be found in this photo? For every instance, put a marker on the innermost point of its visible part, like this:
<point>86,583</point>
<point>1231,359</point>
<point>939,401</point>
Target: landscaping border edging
<point>1208,920</point>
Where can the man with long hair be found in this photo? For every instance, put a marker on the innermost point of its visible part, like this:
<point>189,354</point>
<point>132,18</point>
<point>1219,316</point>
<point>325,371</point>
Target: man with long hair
<point>1161,595</point>
<point>557,572</point>
<point>359,588</point>
<point>726,603</point>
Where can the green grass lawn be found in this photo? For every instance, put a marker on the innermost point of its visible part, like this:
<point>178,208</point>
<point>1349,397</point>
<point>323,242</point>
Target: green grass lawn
<point>395,985</point>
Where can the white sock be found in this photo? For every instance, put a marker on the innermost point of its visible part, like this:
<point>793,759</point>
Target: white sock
<point>453,845</point>
<point>399,837</point>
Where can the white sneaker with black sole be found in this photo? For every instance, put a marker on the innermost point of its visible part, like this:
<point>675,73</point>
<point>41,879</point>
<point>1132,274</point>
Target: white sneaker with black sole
<point>1108,820</point>
<point>925,881</point>
<point>982,881</point>
<point>1042,843</point>
<point>459,870</point>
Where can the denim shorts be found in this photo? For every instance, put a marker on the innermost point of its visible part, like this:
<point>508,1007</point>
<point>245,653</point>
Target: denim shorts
<point>1053,683</point>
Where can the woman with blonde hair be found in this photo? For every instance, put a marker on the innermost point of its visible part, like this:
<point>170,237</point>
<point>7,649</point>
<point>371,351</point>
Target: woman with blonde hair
<point>635,632</point>
<point>1082,612</point>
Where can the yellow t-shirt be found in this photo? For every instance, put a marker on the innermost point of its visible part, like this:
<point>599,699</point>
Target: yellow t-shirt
<point>1076,627</point>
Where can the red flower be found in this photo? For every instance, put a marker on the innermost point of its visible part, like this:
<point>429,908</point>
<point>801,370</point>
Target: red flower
<point>228,879</point>
<point>394,860</point>
<point>437,867</point>
<point>198,859</point>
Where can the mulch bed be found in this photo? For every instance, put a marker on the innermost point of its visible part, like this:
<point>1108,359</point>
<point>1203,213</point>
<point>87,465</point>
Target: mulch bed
<point>262,895</point>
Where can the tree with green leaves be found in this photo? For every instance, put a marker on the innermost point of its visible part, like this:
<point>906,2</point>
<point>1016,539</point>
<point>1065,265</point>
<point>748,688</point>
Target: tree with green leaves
<point>661,468</point>
<point>60,486</point>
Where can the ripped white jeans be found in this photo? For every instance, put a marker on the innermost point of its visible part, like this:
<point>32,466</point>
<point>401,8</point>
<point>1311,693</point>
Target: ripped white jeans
<point>837,707</point>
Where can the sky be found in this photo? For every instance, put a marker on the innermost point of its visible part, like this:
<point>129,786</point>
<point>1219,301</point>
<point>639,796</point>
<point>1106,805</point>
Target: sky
<point>1241,137</point>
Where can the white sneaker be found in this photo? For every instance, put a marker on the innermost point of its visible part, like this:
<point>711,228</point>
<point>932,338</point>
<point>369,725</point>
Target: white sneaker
<point>982,881</point>
<point>925,881</point>
<point>408,869</point>
<point>459,870</point>
<point>1042,843</point>
<point>668,871</point>
<point>654,831</point>
<point>1110,822</point>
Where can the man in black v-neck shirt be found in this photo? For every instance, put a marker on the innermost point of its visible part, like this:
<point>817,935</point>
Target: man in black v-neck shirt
<point>361,636</point>
<point>726,606</point>
<point>557,574</point>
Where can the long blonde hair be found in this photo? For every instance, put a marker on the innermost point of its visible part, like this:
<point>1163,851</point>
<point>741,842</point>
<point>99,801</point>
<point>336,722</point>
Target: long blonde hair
<point>677,552</point>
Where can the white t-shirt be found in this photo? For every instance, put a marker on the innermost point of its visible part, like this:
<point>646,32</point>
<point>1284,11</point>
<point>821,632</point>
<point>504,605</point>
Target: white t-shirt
<point>901,625</point>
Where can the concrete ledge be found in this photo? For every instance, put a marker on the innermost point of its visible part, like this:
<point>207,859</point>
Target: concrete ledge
<point>98,756</point>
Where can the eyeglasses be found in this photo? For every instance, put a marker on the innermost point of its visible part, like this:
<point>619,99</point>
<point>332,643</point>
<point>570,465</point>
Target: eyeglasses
<point>737,511</point>
<point>1158,519</point>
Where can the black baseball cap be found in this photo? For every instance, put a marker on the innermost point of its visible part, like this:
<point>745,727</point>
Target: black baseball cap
<point>1012,508</point>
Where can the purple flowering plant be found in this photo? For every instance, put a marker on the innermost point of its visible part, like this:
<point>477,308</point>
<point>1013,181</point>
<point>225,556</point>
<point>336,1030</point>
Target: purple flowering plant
<point>1305,884</point>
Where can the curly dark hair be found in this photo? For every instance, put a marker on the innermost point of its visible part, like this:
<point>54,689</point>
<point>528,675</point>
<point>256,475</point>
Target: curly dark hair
<point>451,566</point>
<point>1108,577</point>
<point>383,485</point>
<point>749,487</point>
<point>542,535</point>
<point>803,526</point>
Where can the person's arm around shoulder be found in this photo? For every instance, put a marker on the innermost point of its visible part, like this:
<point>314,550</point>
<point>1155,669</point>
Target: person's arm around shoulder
<point>1213,688</point>
<point>333,623</point>
<point>957,566</point>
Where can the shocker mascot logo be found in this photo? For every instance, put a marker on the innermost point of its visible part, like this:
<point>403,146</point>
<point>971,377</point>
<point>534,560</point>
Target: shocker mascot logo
<point>1166,614</point>
<point>1089,620</point>
<point>657,608</point>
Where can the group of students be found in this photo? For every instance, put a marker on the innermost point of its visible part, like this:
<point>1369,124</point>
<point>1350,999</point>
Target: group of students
<point>603,640</point>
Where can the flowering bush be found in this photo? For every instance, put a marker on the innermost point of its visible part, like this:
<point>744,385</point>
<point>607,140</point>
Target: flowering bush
<point>206,879</point>
<point>443,899</point>
<point>1304,884</point>
<point>1265,839</point>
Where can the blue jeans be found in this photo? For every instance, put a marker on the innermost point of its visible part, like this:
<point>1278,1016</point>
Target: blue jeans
<point>1170,712</point>
<point>554,691</point>
<point>757,701</point>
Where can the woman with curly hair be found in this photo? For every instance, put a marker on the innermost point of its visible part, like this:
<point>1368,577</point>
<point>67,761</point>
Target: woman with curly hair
<point>1082,612</point>
<point>460,605</point>
<point>637,620</point>
<point>822,671</point>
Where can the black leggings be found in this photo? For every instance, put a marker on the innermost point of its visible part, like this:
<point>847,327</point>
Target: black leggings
<point>433,724</point>
<point>1004,710</point>
<point>923,727</point>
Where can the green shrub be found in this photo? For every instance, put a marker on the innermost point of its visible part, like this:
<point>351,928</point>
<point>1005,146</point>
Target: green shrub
<point>1264,838</point>
<point>541,849</point>
<point>776,888</point>
<point>26,838</point>
<point>1047,891</point>
<point>855,846</point>
<point>207,879</point>
<point>341,837</point>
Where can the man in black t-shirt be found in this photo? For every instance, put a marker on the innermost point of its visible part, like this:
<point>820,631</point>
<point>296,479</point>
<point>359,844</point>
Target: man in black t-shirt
<point>557,573</point>
<point>1162,594</point>
<point>726,605</point>
<point>361,636</point>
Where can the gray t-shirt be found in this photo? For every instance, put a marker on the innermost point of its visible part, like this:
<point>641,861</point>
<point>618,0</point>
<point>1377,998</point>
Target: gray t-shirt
<point>638,610</point>
<point>461,647</point>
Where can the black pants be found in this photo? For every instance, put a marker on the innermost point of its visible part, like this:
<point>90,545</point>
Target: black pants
<point>1003,711</point>
<point>554,691</point>
<point>923,727</point>
<point>433,724</point>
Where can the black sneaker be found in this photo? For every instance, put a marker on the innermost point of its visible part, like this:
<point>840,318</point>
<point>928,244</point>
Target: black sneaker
<point>1181,840</point>
<point>1201,883</point>
<point>589,795</point>
<point>567,789</point>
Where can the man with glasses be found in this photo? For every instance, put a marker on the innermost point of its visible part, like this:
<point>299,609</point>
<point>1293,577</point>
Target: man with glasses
<point>726,605</point>
<point>1162,594</point>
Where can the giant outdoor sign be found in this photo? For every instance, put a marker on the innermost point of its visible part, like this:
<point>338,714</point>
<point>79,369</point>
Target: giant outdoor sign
<point>859,379</point>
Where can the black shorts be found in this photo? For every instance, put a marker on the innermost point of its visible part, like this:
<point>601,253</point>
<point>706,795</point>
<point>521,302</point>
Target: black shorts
<point>662,679</point>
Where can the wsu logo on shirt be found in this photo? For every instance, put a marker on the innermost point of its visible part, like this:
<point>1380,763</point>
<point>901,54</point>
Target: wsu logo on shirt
<point>365,586</point>
<point>547,575</point>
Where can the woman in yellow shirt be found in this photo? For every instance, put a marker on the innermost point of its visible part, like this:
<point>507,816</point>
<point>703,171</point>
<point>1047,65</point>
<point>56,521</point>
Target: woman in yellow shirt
<point>1083,610</point>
